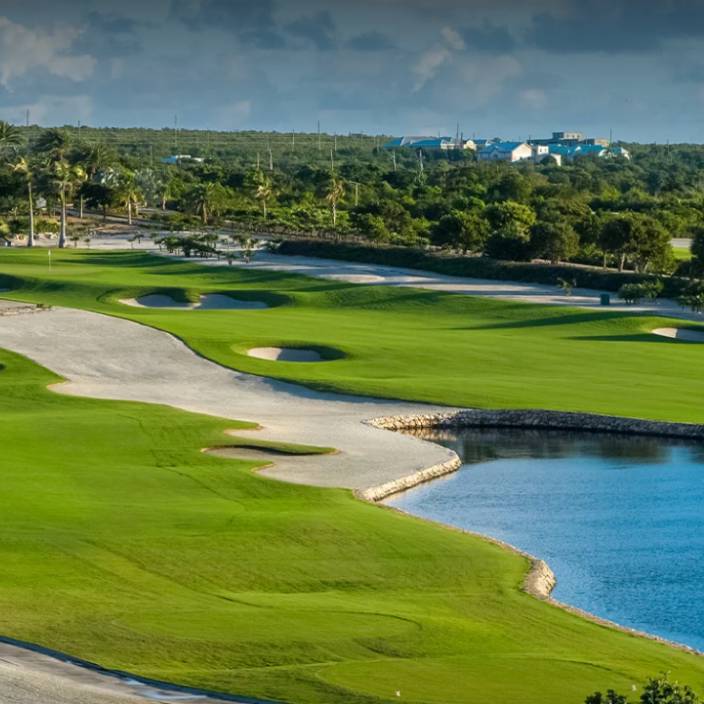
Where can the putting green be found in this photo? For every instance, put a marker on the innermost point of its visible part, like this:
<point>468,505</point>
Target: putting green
<point>124,544</point>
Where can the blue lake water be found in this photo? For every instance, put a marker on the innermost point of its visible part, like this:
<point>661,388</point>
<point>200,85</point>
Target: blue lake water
<point>620,520</point>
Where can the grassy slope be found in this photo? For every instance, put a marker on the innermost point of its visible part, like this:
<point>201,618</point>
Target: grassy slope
<point>148,555</point>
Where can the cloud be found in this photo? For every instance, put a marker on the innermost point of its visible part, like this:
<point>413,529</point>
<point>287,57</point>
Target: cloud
<point>488,37</point>
<point>370,41</point>
<point>318,28</point>
<point>432,60</point>
<point>252,22</point>
<point>533,98</point>
<point>452,38</point>
<point>429,64</point>
<point>617,26</point>
<point>23,50</point>
<point>51,110</point>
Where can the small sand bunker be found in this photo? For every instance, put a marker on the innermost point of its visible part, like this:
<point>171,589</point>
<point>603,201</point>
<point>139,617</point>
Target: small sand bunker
<point>285,354</point>
<point>684,334</point>
<point>356,278</point>
<point>211,301</point>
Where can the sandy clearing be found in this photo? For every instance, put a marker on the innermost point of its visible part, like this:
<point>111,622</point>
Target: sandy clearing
<point>284,354</point>
<point>210,301</point>
<point>680,334</point>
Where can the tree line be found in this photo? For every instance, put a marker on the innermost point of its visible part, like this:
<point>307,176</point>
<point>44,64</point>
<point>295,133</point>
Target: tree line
<point>607,212</point>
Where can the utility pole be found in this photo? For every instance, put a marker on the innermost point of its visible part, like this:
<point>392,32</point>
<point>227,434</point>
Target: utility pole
<point>293,141</point>
<point>393,156</point>
<point>271,159</point>
<point>332,163</point>
<point>356,192</point>
<point>421,167</point>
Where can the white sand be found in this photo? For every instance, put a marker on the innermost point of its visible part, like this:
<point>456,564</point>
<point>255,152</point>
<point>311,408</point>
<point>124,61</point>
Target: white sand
<point>284,354</point>
<point>210,301</point>
<point>680,334</point>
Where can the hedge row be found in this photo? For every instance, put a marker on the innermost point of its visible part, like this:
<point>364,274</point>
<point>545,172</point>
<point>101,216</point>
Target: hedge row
<point>477,267</point>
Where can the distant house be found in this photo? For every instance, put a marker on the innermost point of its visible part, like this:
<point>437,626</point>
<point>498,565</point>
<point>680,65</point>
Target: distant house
<point>506,151</point>
<point>176,159</point>
<point>443,143</point>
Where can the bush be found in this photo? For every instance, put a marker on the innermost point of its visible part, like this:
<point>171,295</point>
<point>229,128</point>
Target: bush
<point>634,293</point>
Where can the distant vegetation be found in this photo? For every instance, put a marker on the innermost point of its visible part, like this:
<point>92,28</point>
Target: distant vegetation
<point>594,211</point>
<point>657,690</point>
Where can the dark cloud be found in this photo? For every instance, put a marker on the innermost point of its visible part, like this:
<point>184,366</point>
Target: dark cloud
<point>252,22</point>
<point>370,41</point>
<point>317,28</point>
<point>617,25</point>
<point>488,37</point>
<point>109,35</point>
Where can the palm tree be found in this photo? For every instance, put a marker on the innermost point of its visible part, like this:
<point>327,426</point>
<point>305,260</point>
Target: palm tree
<point>335,194</point>
<point>10,136</point>
<point>130,196</point>
<point>22,166</point>
<point>65,177</point>
<point>93,158</point>
<point>53,144</point>
<point>263,190</point>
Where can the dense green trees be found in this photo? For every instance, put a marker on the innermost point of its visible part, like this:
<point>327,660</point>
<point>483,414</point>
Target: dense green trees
<point>600,212</point>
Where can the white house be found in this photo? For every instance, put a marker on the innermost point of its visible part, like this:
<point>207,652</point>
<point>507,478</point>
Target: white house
<point>506,151</point>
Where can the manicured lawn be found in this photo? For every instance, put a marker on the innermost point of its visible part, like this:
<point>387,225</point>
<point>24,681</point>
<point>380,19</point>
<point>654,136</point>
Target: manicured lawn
<point>400,343</point>
<point>682,254</point>
<point>122,543</point>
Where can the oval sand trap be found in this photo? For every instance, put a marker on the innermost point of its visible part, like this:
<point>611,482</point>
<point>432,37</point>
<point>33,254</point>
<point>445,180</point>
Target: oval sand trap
<point>285,354</point>
<point>211,301</point>
<point>680,334</point>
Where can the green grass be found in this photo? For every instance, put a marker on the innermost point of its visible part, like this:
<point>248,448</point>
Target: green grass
<point>682,254</point>
<point>124,544</point>
<point>401,343</point>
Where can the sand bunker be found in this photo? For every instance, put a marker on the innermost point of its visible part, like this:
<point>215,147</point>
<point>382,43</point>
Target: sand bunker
<point>357,278</point>
<point>285,354</point>
<point>211,301</point>
<point>680,334</point>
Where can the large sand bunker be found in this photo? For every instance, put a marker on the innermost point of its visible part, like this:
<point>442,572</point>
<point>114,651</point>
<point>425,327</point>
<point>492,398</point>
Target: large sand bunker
<point>285,354</point>
<point>210,301</point>
<point>684,334</point>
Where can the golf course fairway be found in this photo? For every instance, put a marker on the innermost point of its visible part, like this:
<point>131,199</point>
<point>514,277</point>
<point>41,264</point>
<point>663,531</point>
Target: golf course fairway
<point>126,545</point>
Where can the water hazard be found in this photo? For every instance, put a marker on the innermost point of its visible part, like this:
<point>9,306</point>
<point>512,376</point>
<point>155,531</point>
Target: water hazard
<point>620,520</point>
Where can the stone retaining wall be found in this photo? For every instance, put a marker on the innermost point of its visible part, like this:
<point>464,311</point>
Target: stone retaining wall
<point>547,420</point>
<point>383,491</point>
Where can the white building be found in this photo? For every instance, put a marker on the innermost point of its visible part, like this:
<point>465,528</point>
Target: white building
<point>506,151</point>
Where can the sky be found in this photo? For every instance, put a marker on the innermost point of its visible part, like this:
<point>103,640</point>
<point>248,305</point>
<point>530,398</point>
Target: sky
<point>507,68</point>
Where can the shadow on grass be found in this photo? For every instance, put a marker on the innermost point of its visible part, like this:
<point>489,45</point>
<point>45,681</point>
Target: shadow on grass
<point>637,337</point>
<point>556,320</point>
